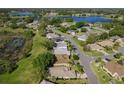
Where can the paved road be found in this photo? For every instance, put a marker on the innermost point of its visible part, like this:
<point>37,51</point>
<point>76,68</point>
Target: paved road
<point>85,62</point>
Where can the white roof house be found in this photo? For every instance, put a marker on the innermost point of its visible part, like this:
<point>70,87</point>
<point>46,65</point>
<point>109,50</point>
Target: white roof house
<point>82,37</point>
<point>72,32</point>
<point>67,24</point>
<point>61,48</point>
<point>52,35</point>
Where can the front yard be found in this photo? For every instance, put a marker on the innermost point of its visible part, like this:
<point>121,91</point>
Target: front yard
<point>94,53</point>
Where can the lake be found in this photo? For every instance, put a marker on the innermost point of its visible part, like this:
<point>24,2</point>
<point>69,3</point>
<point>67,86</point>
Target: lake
<point>90,19</point>
<point>15,13</point>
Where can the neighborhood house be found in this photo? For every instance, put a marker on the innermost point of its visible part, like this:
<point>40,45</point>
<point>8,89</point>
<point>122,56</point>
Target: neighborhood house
<point>105,43</point>
<point>67,24</point>
<point>120,41</point>
<point>94,47</point>
<point>72,32</point>
<point>62,72</point>
<point>52,36</point>
<point>61,48</point>
<point>114,69</point>
<point>82,37</point>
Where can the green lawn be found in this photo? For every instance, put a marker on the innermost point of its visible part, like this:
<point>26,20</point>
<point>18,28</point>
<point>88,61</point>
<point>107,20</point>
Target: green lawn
<point>72,81</point>
<point>80,33</point>
<point>103,76</point>
<point>25,73</point>
<point>94,53</point>
<point>109,51</point>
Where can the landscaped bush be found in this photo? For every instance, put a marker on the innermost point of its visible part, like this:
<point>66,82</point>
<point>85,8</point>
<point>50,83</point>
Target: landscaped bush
<point>75,57</point>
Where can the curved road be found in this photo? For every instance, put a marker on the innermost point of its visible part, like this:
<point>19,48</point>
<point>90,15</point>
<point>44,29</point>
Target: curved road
<point>84,61</point>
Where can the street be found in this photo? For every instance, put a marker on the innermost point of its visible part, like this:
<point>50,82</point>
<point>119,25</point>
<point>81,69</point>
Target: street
<point>84,61</point>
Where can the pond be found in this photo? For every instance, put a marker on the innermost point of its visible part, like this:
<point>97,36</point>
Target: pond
<point>90,19</point>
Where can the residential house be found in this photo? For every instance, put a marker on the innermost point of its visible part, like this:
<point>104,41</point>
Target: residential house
<point>52,36</point>
<point>114,38</point>
<point>33,25</point>
<point>105,43</point>
<point>50,28</point>
<point>94,47</point>
<point>61,48</point>
<point>114,69</point>
<point>82,37</point>
<point>62,72</point>
<point>120,41</point>
<point>67,24</point>
<point>72,32</point>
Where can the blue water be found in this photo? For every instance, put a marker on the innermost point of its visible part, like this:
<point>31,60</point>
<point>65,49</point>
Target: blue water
<point>21,13</point>
<point>90,19</point>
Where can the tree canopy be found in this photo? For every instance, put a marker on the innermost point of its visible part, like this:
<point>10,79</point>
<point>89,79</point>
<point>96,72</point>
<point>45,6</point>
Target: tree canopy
<point>42,62</point>
<point>80,24</point>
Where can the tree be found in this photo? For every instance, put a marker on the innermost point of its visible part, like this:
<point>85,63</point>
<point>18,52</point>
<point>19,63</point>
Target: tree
<point>80,24</point>
<point>120,62</point>
<point>116,45</point>
<point>123,78</point>
<point>86,48</point>
<point>108,48</point>
<point>70,47</point>
<point>55,21</point>
<point>122,23</point>
<point>118,55</point>
<point>104,36</point>
<point>118,30</point>
<point>28,33</point>
<point>69,19</point>
<point>7,66</point>
<point>75,57</point>
<point>107,26</point>
<point>42,62</point>
<point>79,68</point>
<point>63,29</point>
<point>42,28</point>
<point>48,44</point>
<point>13,25</point>
<point>92,39</point>
<point>28,19</point>
<point>98,59</point>
<point>73,27</point>
<point>83,29</point>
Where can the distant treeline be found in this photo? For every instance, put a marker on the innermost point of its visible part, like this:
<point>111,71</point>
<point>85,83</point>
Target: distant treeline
<point>71,10</point>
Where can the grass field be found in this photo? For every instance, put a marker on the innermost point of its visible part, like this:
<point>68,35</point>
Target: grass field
<point>25,73</point>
